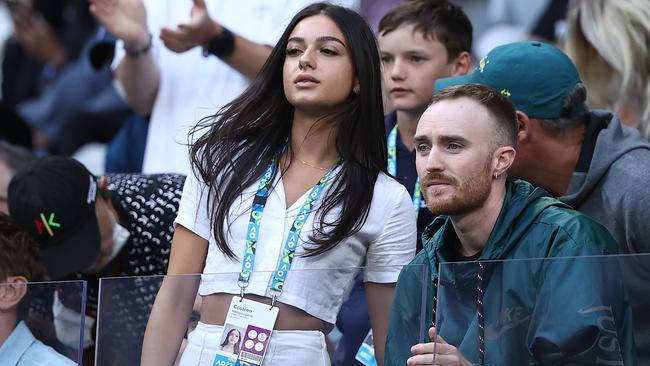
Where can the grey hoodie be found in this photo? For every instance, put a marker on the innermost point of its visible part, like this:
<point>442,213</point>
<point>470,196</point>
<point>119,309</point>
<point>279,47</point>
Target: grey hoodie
<point>616,190</point>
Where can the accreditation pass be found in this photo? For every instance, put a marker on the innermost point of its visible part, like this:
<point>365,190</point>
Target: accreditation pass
<point>246,333</point>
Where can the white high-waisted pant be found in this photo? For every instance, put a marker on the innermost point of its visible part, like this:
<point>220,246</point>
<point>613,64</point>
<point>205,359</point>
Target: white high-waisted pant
<point>286,347</point>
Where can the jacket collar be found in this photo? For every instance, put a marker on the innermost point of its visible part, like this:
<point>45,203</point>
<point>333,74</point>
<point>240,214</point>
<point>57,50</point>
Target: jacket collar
<point>521,206</point>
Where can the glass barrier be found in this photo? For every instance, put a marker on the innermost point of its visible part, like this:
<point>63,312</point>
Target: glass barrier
<point>181,328</point>
<point>578,311</point>
<point>41,323</point>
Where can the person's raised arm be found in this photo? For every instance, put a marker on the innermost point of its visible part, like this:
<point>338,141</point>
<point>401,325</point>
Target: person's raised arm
<point>137,72</point>
<point>174,302</point>
<point>245,56</point>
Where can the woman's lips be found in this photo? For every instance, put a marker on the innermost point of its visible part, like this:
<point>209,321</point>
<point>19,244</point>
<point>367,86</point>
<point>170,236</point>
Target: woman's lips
<point>398,92</point>
<point>305,80</point>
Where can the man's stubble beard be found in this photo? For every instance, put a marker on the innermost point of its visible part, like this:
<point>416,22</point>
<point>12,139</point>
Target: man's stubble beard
<point>469,195</point>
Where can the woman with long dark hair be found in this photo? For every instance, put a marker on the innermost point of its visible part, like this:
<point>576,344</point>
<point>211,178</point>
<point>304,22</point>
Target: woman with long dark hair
<point>231,342</point>
<point>305,146</point>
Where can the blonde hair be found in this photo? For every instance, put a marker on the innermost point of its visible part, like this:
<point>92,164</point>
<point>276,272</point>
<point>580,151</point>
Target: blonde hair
<point>609,41</point>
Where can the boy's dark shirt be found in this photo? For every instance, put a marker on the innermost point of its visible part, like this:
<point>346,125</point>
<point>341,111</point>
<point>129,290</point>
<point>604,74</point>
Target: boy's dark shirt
<point>407,175</point>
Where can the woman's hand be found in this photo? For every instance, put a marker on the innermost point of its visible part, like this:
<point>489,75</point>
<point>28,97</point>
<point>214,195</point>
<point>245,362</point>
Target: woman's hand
<point>444,353</point>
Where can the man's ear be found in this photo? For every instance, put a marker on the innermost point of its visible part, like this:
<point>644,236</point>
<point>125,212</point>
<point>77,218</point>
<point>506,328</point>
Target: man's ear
<point>461,64</point>
<point>504,156</point>
<point>11,292</point>
<point>524,125</point>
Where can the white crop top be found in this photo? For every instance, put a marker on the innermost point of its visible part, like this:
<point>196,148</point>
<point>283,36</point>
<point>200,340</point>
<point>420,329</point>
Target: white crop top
<point>387,238</point>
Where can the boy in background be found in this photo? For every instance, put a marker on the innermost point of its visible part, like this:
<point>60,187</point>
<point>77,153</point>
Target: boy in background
<point>19,264</point>
<point>420,41</point>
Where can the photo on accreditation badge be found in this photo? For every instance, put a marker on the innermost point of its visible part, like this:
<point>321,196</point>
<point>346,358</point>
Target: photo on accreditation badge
<point>229,346</point>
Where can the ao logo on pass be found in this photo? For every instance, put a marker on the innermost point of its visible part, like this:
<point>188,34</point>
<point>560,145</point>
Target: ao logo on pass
<point>223,363</point>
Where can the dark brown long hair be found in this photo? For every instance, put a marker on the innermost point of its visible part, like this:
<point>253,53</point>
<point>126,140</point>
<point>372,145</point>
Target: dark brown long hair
<point>241,139</point>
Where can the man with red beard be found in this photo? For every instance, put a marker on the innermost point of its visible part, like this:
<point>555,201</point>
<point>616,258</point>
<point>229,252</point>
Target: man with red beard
<point>465,145</point>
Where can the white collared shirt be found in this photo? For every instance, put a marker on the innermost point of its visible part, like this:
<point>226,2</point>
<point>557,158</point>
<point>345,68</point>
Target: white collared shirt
<point>317,285</point>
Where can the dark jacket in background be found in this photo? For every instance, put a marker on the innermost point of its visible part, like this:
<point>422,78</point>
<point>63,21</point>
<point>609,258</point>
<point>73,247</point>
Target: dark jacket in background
<point>24,78</point>
<point>74,104</point>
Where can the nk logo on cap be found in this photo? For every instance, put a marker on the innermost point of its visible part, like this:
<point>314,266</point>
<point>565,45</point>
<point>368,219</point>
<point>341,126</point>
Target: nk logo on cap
<point>46,224</point>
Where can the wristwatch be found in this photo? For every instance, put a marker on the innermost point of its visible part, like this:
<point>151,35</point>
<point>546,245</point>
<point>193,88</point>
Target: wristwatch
<point>138,52</point>
<point>222,45</point>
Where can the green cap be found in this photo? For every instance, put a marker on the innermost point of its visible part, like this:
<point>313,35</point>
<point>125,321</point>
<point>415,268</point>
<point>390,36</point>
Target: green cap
<point>536,77</point>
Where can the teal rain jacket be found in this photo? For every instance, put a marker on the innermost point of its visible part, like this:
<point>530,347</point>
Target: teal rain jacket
<point>537,312</point>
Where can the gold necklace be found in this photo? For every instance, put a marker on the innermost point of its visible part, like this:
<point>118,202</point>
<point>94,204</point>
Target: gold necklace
<point>313,166</point>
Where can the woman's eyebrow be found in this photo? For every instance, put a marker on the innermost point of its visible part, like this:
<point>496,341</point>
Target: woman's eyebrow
<point>319,39</point>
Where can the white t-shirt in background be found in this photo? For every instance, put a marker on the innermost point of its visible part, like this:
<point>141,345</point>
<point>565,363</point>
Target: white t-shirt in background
<point>192,86</point>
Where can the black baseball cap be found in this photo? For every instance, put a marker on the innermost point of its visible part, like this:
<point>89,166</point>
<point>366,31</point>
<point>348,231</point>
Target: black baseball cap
<point>53,199</point>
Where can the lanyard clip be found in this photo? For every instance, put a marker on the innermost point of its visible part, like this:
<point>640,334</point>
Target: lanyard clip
<point>242,287</point>
<point>274,297</point>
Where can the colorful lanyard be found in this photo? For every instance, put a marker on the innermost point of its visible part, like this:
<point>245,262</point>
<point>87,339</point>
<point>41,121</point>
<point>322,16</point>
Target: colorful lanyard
<point>257,209</point>
<point>392,169</point>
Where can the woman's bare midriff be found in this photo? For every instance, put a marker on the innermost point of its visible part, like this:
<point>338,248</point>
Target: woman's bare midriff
<point>215,307</point>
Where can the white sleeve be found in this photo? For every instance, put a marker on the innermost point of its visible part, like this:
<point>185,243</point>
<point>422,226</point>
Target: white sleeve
<point>193,210</point>
<point>395,245</point>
